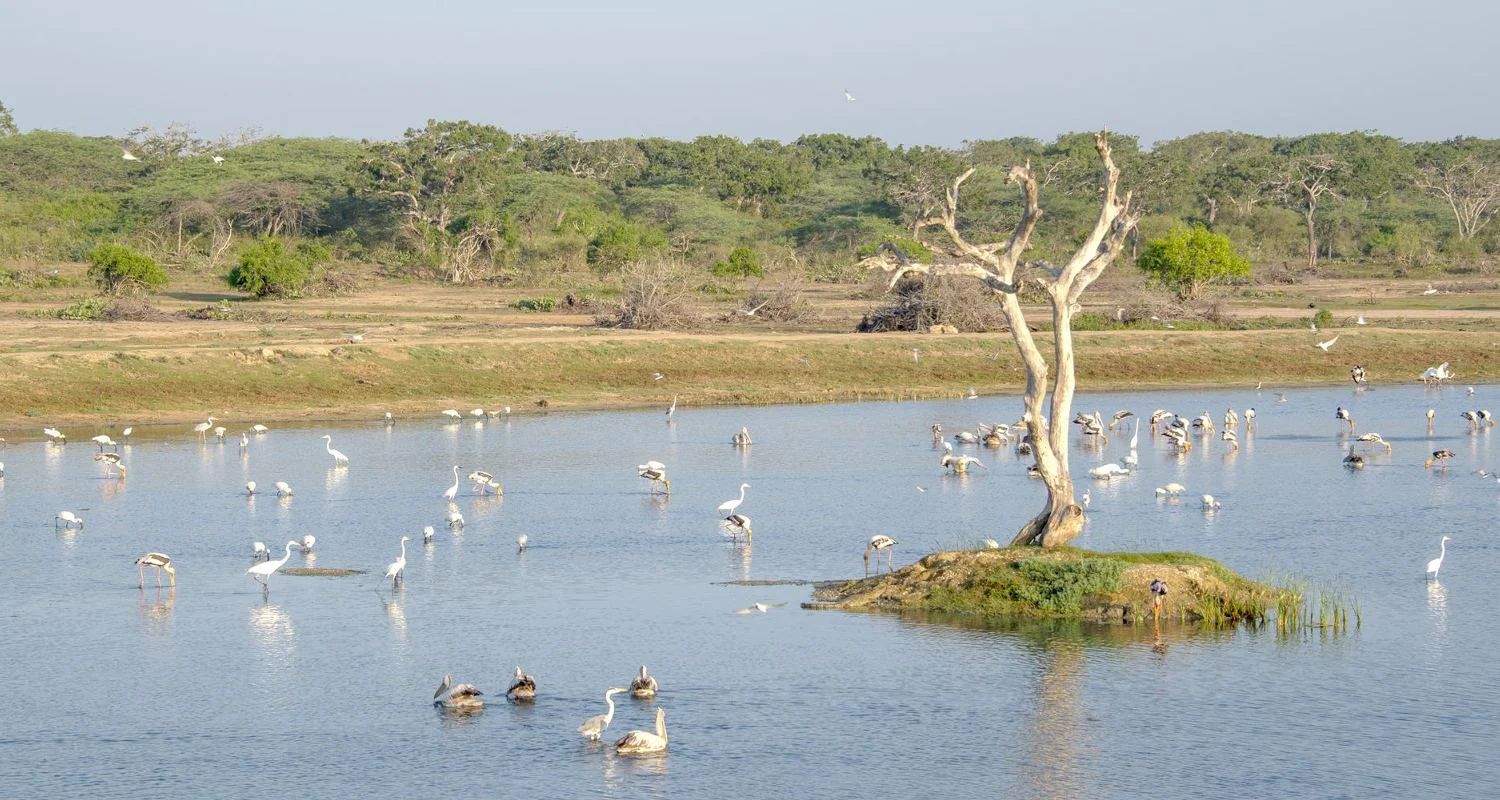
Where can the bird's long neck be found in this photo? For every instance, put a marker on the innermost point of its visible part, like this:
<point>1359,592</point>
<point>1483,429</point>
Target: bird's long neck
<point>403,549</point>
<point>1442,550</point>
<point>288,556</point>
<point>328,443</point>
<point>661,725</point>
<point>742,494</point>
<point>610,699</point>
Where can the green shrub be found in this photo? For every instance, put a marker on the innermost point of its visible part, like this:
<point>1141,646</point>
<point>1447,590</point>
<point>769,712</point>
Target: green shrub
<point>535,303</point>
<point>1059,587</point>
<point>742,263</point>
<point>620,243</point>
<point>1323,319</point>
<point>89,308</point>
<point>269,268</point>
<point>116,268</point>
<point>911,248</point>
<point>1188,258</point>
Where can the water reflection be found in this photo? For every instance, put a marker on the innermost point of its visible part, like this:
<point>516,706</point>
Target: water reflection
<point>156,609</point>
<point>395,612</point>
<point>335,478</point>
<point>1437,607</point>
<point>274,635</point>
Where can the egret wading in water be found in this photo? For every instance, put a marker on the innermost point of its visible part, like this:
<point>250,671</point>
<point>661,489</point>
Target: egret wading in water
<point>162,562</point>
<point>463,697</point>
<point>637,742</point>
<point>880,542</point>
<point>339,459</point>
<point>522,687</point>
<point>452,491</point>
<point>728,507</point>
<point>656,472</point>
<point>262,572</point>
<point>644,686</point>
<point>594,727</point>
<point>1437,563</point>
<point>395,568</point>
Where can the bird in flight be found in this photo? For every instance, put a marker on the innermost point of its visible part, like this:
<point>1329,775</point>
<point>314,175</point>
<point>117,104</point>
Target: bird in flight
<point>1325,345</point>
<point>761,607</point>
<point>127,155</point>
<point>848,96</point>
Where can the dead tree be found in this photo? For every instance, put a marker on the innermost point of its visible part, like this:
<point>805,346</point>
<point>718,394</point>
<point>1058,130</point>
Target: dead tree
<point>1470,186</point>
<point>996,267</point>
<point>1306,181</point>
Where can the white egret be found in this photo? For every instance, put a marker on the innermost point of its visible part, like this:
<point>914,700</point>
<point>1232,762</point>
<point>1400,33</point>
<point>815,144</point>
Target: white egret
<point>2,469</point>
<point>258,550</point>
<point>244,440</point>
<point>645,741</point>
<point>452,491</point>
<point>644,686</point>
<point>656,376</point>
<point>394,569</point>
<point>262,572</point>
<point>452,414</point>
<point>283,489</point>
<point>463,697</point>
<point>656,472</point>
<point>126,155</point>
<point>728,506</point>
<point>521,543</point>
<point>339,459</point>
<point>880,542</point>
<point>522,687</point>
<point>1360,320</point>
<point>125,434</point>
<point>1325,345</point>
<point>1431,414</point>
<point>594,727</point>
<point>67,519</point>
<point>671,408</point>
<point>162,562</point>
<point>218,160</point>
<point>307,543</point>
<point>1430,290</point>
<point>427,534</point>
<point>202,428</point>
<point>1437,563</point>
<point>761,607</point>
<point>1087,498</point>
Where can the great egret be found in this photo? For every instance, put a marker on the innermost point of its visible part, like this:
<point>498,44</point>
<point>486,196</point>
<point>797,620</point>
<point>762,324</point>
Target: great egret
<point>259,551</point>
<point>125,434</point>
<point>307,543</point>
<point>728,506</point>
<point>283,489</point>
<point>263,572</point>
<point>111,461</point>
<point>644,686</point>
<point>395,568</point>
<point>339,459</point>
<point>594,727</point>
<point>463,697</point>
<point>162,562</point>
<point>761,607</point>
<point>244,439</point>
<point>656,472</point>
<point>741,438</point>
<point>1440,456</point>
<point>452,491</point>
<point>126,155</point>
<point>203,428</point>
<point>67,519</point>
<point>1325,345</point>
<point>636,742</point>
<point>522,687</point>
<point>672,408</point>
<point>1437,563</point>
<point>521,543</point>
<point>880,542</point>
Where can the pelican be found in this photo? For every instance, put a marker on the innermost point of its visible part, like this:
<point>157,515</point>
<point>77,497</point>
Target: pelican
<point>463,697</point>
<point>162,562</point>
<point>1436,374</point>
<point>656,472</point>
<point>1440,456</point>
<point>522,687</point>
<point>742,522</point>
<point>452,414</point>
<point>1374,438</point>
<point>1210,504</point>
<point>644,686</point>
<point>455,519</point>
<point>103,440</point>
<point>1343,414</point>
<point>593,727</point>
<point>283,489</point>
<point>1437,563</point>
<point>1354,460</point>
<point>880,542</point>
<point>1131,461</point>
<point>1204,422</point>
<point>742,438</point>
<point>642,741</point>
<point>728,507</point>
<point>427,534</point>
<point>258,550</point>
<point>67,520</point>
<point>394,569</point>
<point>1171,489</point>
<point>249,488</point>
<point>1108,471</point>
<point>965,437</point>
<point>521,543</point>
<point>958,464</point>
<point>452,491</point>
<point>203,428</point>
<point>1231,418</point>
<point>1325,345</point>
<point>2,469</point>
<point>307,543</point>
<point>111,460</point>
<point>262,572</point>
<point>761,607</point>
<point>339,459</point>
<point>258,429</point>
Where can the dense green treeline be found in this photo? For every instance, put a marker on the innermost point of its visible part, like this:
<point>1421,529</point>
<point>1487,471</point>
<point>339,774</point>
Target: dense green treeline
<point>460,201</point>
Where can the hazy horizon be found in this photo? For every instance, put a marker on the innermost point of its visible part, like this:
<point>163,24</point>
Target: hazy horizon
<point>680,69</point>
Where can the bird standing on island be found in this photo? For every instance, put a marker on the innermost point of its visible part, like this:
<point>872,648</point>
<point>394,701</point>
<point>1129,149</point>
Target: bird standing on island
<point>880,542</point>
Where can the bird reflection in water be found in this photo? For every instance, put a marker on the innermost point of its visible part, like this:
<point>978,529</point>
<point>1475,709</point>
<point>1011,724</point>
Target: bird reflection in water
<point>335,476</point>
<point>1437,605</point>
<point>623,773</point>
<point>274,634</point>
<point>156,608</point>
<point>393,610</point>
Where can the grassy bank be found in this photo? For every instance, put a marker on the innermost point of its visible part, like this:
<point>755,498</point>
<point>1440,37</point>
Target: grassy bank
<point>1022,583</point>
<point>237,376</point>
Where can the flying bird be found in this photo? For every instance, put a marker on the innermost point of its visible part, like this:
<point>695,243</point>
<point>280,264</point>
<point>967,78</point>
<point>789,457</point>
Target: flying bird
<point>761,607</point>
<point>1325,345</point>
<point>848,96</point>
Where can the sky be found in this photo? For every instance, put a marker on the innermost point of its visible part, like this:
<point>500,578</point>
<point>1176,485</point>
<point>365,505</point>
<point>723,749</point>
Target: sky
<point>921,73</point>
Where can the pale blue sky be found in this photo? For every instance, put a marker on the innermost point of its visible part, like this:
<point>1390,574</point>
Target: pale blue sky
<point>921,72</point>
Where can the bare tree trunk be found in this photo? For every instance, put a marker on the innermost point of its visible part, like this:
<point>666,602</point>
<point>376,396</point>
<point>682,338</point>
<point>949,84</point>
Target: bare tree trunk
<point>1312,236</point>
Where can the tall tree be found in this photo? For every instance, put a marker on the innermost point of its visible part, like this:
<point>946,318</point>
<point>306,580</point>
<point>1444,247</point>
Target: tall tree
<point>1465,174</point>
<point>7,122</point>
<point>916,180</point>
<point>996,266</point>
<point>440,178</point>
<point>1305,181</point>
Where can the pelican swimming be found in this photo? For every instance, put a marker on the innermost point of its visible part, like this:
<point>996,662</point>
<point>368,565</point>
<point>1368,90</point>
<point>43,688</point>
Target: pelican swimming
<point>959,465</point>
<point>1108,471</point>
<point>594,727</point>
<point>463,697</point>
<point>394,569</point>
<point>1374,438</point>
<point>162,562</point>
<point>111,461</point>
<point>67,520</point>
<point>728,507</point>
<point>880,542</point>
<point>452,491</point>
<point>339,459</point>
<point>1354,460</point>
<point>1437,563</point>
<point>1440,456</point>
<point>522,687</point>
<point>644,686</point>
<point>741,438</point>
<point>643,741</point>
<point>262,572</point>
<point>656,472</point>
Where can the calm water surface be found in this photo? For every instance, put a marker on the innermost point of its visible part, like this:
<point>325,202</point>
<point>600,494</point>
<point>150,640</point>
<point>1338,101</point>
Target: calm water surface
<point>321,689</point>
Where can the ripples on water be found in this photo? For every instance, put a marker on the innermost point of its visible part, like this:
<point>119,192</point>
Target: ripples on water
<point>321,688</point>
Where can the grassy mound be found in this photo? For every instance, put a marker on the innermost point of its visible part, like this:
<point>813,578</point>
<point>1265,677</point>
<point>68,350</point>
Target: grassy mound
<point>1030,582</point>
